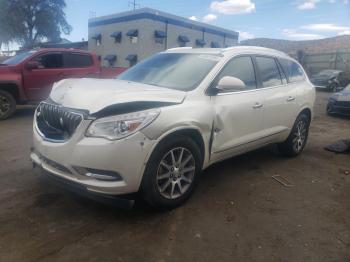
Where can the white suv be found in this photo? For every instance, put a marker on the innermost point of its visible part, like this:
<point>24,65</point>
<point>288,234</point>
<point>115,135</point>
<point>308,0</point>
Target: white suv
<point>155,128</point>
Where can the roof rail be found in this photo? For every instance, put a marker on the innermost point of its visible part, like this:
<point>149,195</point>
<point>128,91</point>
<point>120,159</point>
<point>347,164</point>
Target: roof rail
<point>180,48</point>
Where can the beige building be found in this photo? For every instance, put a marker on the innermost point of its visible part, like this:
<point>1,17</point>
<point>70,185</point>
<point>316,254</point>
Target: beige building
<point>123,39</point>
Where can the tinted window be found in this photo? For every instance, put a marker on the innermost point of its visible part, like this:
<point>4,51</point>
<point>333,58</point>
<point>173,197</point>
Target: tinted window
<point>270,76</point>
<point>50,61</point>
<point>77,60</point>
<point>292,70</point>
<point>242,68</point>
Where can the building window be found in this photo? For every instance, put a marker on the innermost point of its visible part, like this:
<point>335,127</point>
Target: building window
<point>117,37</point>
<point>97,38</point>
<point>183,40</point>
<point>159,36</point>
<point>200,42</point>
<point>132,59</point>
<point>215,45</point>
<point>133,35</point>
<point>111,59</point>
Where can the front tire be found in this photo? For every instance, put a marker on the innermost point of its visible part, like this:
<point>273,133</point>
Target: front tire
<point>171,173</point>
<point>297,139</point>
<point>7,105</point>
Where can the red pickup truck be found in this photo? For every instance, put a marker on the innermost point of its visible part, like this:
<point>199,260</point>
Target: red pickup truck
<point>29,76</point>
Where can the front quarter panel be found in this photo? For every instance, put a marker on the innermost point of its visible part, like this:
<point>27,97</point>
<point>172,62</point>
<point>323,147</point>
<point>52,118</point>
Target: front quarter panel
<point>197,115</point>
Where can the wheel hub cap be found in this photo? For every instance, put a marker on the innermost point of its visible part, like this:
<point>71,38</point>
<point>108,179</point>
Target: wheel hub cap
<point>175,173</point>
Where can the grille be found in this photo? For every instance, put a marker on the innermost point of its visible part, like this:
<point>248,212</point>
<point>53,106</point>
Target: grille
<point>56,122</point>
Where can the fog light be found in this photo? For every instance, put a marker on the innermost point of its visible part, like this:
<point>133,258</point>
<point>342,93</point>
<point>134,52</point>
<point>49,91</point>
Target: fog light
<point>102,175</point>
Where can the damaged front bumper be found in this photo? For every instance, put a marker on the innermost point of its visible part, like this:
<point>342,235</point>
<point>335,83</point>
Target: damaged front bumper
<point>95,166</point>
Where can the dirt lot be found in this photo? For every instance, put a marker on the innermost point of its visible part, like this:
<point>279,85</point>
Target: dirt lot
<point>238,213</point>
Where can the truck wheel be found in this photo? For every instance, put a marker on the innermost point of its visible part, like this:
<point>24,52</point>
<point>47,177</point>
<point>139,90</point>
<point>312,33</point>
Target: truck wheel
<point>171,173</point>
<point>7,105</point>
<point>297,139</point>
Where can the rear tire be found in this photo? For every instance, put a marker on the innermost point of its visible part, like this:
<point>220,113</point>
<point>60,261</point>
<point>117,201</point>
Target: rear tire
<point>171,173</point>
<point>297,138</point>
<point>7,105</point>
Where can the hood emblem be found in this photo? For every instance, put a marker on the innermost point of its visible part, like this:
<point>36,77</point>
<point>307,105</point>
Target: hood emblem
<point>61,121</point>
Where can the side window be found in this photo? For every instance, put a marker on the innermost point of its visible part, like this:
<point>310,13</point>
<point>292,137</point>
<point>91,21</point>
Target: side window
<point>292,70</point>
<point>242,68</point>
<point>77,60</point>
<point>269,73</point>
<point>50,61</point>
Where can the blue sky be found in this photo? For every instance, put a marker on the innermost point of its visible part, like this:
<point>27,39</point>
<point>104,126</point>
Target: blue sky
<point>286,19</point>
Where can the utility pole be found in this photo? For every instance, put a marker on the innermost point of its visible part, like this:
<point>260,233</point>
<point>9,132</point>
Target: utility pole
<point>134,4</point>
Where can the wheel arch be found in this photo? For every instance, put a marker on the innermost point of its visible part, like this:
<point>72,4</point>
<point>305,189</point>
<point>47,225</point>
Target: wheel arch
<point>192,132</point>
<point>12,88</point>
<point>307,111</point>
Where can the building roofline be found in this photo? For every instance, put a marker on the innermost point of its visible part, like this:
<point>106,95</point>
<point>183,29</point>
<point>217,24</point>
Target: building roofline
<point>153,14</point>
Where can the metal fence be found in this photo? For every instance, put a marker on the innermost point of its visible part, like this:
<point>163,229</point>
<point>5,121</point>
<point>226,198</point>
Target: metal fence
<point>314,63</point>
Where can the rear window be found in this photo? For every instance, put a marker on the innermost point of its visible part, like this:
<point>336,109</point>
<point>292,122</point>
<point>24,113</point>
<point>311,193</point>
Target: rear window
<point>77,60</point>
<point>269,72</point>
<point>292,70</point>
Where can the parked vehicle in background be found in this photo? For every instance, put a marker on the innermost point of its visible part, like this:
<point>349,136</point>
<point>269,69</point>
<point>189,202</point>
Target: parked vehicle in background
<point>330,80</point>
<point>339,103</point>
<point>155,128</point>
<point>29,76</point>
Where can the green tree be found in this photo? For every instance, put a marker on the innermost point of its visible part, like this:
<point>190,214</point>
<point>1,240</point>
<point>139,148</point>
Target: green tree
<point>27,22</point>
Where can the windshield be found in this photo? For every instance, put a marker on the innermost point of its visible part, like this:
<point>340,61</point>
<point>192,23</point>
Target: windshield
<point>18,58</point>
<point>172,70</point>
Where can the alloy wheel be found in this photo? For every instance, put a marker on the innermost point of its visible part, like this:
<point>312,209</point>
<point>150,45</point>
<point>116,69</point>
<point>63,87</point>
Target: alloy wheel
<point>175,173</point>
<point>5,105</point>
<point>299,136</point>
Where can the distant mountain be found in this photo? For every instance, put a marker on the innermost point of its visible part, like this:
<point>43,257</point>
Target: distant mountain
<point>339,43</point>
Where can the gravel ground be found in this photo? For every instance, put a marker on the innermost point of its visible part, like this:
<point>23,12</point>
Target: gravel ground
<point>238,213</point>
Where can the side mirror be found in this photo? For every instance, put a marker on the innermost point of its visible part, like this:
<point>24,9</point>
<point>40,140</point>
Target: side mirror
<point>32,65</point>
<point>230,84</point>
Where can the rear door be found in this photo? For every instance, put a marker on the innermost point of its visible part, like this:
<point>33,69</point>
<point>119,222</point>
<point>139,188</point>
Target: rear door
<point>279,97</point>
<point>78,65</point>
<point>238,115</point>
<point>39,81</point>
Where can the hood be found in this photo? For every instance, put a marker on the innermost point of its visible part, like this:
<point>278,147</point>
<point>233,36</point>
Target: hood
<point>95,95</point>
<point>341,96</point>
<point>6,69</point>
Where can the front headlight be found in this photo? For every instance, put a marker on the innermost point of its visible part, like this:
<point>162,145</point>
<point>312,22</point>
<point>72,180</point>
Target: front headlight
<point>120,126</point>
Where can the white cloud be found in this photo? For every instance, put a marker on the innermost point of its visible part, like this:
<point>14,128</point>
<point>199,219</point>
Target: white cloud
<point>193,18</point>
<point>346,32</point>
<point>311,4</point>
<point>294,34</point>
<point>233,6</point>
<point>326,28</point>
<point>308,4</point>
<point>209,18</point>
<point>245,35</point>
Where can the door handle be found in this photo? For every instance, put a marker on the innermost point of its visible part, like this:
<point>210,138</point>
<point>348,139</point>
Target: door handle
<point>290,98</point>
<point>258,105</point>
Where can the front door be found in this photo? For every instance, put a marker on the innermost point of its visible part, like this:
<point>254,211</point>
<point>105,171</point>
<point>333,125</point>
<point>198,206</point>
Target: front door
<point>238,123</point>
<point>38,82</point>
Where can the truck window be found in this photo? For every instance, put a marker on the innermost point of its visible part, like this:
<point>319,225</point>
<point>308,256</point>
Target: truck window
<point>50,61</point>
<point>269,73</point>
<point>72,60</point>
